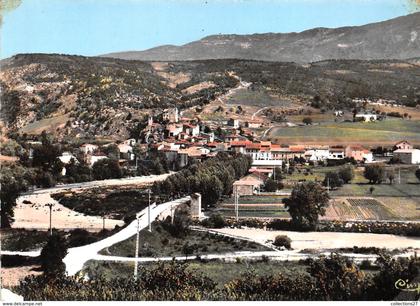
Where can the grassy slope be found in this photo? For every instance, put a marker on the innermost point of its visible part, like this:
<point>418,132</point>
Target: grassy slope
<point>161,243</point>
<point>380,132</point>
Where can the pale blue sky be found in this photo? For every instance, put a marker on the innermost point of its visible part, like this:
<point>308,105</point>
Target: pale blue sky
<point>93,27</point>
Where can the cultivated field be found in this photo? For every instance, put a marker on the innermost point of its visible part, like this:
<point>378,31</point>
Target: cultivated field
<point>384,132</point>
<point>358,209</point>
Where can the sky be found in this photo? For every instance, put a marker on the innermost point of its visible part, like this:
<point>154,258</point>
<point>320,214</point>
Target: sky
<point>94,27</point>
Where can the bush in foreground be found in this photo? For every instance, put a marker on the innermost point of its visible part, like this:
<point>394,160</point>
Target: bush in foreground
<point>283,241</point>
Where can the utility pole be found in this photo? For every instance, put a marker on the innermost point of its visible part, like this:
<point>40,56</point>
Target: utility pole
<point>328,185</point>
<point>172,215</point>
<point>136,255</point>
<point>399,175</point>
<point>148,215</point>
<point>236,204</point>
<point>50,205</point>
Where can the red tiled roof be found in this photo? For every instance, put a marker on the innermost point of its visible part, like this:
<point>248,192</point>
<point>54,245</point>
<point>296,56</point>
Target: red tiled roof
<point>241,143</point>
<point>253,145</point>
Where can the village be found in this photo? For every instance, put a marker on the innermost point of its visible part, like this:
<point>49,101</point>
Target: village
<point>183,140</point>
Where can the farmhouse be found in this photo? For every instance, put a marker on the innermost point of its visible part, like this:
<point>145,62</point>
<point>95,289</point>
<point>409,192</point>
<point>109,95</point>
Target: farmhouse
<point>359,154</point>
<point>317,153</point>
<point>404,145</point>
<point>254,124</point>
<point>248,185</point>
<point>336,153</point>
<point>126,151</point>
<point>408,156</point>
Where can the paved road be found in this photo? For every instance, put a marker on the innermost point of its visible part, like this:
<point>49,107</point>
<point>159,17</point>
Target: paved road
<point>77,257</point>
<point>35,215</point>
<point>103,183</point>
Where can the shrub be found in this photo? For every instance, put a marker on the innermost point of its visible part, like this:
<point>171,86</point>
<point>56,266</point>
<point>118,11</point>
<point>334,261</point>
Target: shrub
<point>214,221</point>
<point>283,241</point>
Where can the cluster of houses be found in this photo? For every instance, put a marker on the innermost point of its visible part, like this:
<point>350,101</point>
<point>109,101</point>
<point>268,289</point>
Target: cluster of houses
<point>182,139</point>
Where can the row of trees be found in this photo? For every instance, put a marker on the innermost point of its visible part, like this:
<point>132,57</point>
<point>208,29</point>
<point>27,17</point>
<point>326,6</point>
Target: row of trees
<point>212,178</point>
<point>377,173</point>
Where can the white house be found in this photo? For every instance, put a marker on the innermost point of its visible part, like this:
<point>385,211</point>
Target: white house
<point>88,148</point>
<point>267,164</point>
<point>233,123</point>
<point>94,158</point>
<point>403,145</point>
<point>408,156</point>
<point>174,129</point>
<point>336,153</point>
<point>126,151</point>
<point>191,129</point>
<point>317,154</point>
<point>367,117</point>
<point>66,157</point>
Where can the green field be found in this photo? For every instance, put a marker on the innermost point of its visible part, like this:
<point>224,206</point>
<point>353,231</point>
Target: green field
<point>388,131</point>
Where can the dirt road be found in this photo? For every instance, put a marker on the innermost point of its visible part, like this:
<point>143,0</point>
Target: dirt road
<point>327,240</point>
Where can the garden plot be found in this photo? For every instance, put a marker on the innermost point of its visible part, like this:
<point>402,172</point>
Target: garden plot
<point>358,209</point>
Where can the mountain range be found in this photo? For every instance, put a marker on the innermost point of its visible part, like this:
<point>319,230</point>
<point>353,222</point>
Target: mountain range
<point>397,38</point>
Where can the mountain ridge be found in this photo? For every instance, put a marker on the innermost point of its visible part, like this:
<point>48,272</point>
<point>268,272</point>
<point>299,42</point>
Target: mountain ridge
<point>397,38</point>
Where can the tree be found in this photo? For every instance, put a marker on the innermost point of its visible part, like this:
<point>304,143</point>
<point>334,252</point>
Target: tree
<point>215,221</point>
<point>188,249</point>
<point>112,151</point>
<point>52,255</point>
<point>227,178</point>
<point>417,173</point>
<point>337,277</point>
<point>278,173</point>
<point>346,173</point>
<point>333,180</point>
<point>211,188</point>
<point>106,169</point>
<point>271,185</point>
<point>390,174</point>
<point>307,120</point>
<point>374,173</point>
<point>13,181</point>
<point>391,270</point>
<point>78,171</point>
<point>45,155</point>
<point>306,203</point>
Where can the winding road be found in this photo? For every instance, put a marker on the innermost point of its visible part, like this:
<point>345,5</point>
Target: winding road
<point>31,212</point>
